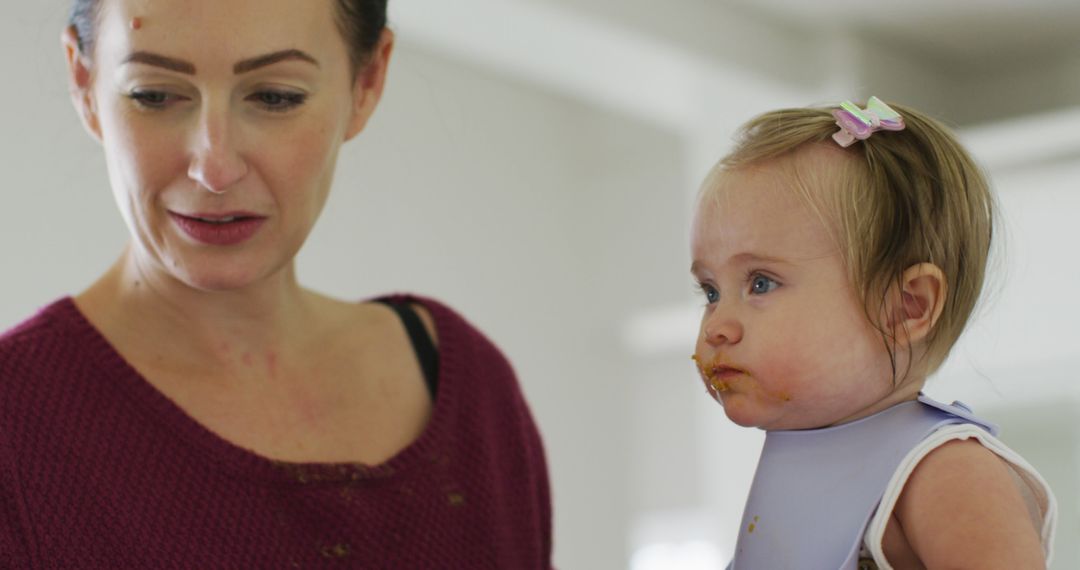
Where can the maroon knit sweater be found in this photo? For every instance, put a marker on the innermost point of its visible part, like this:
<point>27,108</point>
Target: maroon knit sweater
<point>98,469</point>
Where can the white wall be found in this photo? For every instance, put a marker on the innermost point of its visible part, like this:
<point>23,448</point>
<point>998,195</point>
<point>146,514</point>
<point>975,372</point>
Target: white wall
<point>542,219</point>
<point>58,227</point>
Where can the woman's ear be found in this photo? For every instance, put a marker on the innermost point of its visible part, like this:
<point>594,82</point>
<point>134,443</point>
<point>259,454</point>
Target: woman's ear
<point>369,84</point>
<point>80,82</point>
<point>916,302</point>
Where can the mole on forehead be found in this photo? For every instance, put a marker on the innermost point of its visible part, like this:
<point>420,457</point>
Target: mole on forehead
<point>136,23</point>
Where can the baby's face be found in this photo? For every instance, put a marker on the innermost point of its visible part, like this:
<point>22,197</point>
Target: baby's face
<point>784,342</point>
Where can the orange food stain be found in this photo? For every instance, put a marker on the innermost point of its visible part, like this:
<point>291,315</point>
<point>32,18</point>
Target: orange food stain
<point>136,23</point>
<point>710,374</point>
<point>752,526</point>
<point>720,386</point>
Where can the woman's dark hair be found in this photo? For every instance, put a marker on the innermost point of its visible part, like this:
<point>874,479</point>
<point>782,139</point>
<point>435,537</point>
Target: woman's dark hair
<point>360,22</point>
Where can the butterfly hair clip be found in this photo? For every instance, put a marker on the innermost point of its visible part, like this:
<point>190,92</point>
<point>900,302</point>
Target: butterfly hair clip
<point>859,124</point>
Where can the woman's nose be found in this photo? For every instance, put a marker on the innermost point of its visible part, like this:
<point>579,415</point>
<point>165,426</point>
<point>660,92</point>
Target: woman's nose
<point>721,327</point>
<point>216,161</point>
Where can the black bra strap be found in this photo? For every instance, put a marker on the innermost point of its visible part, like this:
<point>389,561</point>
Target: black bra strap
<point>425,350</point>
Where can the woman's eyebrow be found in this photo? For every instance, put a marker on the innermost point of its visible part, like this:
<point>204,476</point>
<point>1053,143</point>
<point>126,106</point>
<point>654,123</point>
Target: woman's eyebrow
<point>245,66</point>
<point>158,60</point>
<point>272,58</point>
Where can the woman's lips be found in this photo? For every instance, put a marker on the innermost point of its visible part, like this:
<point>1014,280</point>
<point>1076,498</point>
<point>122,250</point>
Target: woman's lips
<point>230,228</point>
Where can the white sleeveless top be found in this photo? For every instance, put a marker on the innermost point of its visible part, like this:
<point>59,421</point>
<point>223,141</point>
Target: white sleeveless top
<point>1042,507</point>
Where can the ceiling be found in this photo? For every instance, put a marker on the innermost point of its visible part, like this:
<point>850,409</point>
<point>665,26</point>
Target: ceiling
<point>984,59</point>
<point>979,35</point>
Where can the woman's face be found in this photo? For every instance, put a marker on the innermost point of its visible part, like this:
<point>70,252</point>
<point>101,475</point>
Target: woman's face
<point>221,124</point>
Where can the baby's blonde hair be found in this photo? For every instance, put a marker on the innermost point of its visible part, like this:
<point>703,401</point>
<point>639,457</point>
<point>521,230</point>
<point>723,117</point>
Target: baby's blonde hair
<point>904,198</point>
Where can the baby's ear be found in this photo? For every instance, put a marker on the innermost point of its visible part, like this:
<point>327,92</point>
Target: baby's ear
<point>915,302</point>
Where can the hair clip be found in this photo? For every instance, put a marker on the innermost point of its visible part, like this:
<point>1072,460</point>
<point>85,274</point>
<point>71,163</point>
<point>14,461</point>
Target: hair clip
<point>859,124</point>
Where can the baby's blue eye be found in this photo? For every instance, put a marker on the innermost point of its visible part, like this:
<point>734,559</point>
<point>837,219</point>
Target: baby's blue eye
<point>711,294</point>
<point>760,284</point>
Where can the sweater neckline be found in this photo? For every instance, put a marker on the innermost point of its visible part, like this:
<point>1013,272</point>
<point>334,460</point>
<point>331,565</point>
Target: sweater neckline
<point>158,408</point>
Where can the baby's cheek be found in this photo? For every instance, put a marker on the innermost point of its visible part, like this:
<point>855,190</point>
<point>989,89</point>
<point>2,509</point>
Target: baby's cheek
<point>777,392</point>
<point>780,378</point>
<point>701,350</point>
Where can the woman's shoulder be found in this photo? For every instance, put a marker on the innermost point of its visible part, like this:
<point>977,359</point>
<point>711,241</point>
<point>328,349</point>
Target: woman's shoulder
<point>39,354</point>
<point>49,326</point>
<point>431,305</point>
<point>445,322</point>
<point>465,351</point>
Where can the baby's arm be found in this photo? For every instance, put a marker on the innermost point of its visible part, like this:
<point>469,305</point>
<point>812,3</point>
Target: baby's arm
<point>961,509</point>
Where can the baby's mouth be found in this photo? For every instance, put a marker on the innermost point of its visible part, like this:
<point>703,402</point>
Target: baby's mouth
<point>717,376</point>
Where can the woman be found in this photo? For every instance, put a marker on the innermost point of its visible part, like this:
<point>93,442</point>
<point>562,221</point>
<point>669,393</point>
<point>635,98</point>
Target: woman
<point>196,407</point>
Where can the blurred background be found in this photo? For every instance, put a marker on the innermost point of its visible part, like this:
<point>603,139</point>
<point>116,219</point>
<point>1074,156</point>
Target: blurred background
<point>533,164</point>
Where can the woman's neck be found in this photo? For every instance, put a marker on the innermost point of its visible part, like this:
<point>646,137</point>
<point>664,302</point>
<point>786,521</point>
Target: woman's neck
<point>136,304</point>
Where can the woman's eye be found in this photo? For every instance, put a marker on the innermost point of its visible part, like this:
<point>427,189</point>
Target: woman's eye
<point>760,284</point>
<point>152,99</point>
<point>278,101</point>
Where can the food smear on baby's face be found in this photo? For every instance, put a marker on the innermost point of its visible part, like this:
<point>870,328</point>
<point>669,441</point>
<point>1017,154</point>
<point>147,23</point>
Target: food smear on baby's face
<point>718,385</point>
<point>717,375</point>
<point>721,377</point>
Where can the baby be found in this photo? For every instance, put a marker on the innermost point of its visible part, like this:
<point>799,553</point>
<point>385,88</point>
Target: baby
<point>840,253</point>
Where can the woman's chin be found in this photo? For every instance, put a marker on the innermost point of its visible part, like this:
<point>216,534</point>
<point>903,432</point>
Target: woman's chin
<point>218,285</point>
<point>219,279</point>
<point>219,271</point>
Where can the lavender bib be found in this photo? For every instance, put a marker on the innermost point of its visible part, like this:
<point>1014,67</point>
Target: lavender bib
<point>815,491</point>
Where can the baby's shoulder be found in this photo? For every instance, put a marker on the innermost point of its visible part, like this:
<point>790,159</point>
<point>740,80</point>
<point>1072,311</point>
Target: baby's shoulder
<point>955,470</point>
<point>962,506</point>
